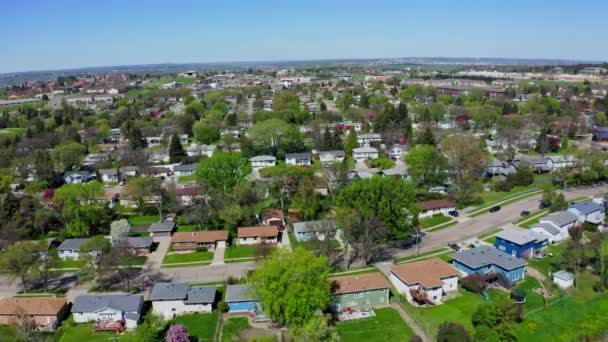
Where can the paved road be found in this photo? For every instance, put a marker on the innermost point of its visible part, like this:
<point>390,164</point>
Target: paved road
<point>207,274</point>
<point>469,228</point>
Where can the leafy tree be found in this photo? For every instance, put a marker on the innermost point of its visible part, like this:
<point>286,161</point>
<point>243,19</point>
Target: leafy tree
<point>426,137</point>
<point>68,156</point>
<point>120,229</point>
<point>82,210</point>
<point>389,199</point>
<point>177,333</point>
<point>308,290</point>
<point>223,171</point>
<point>206,134</point>
<point>318,328</point>
<point>48,259</point>
<point>466,161</point>
<point>276,137</point>
<point>523,176</point>
<point>19,261</point>
<point>176,150</point>
<point>351,142</point>
<point>306,200</point>
<point>426,165</point>
<point>452,332</point>
<point>149,329</point>
<point>559,203</point>
<point>144,190</point>
<point>500,314</point>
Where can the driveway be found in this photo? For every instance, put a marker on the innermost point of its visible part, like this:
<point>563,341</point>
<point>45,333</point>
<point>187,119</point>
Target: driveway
<point>469,229</point>
<point>156,258</point>
<point>208,274</point>
<point>218,256</point>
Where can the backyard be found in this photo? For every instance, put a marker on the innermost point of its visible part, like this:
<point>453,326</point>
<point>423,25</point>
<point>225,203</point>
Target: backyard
<point>202,326</point>
<point>142,220</point>
<point>386,326</point>
<point>84,332</point>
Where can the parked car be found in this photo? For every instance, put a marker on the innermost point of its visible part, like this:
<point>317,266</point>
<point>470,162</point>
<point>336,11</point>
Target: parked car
<point>524,213</point>
<point>454,246</point>
<point>543,205</point>
<point>453,213</point>
<point>495,209</point>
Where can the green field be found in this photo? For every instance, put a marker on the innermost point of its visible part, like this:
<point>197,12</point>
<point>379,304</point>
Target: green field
<point>187,257</point>
<point>202,326</point>
<point>386,326</point>
<point>234,251</point>
<point>434,220</point>
<point>548,263</point>
<point>70,263</point>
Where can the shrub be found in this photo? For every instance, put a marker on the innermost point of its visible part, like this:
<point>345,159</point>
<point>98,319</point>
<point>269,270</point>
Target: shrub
<point>202,249</point>
<point>473,283</point>
<point>505,185</point>
<point>222,306</point>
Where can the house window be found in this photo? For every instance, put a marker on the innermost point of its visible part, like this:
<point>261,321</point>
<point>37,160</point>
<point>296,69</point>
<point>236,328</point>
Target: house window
<point>381,300</point>
<point>359,295</point>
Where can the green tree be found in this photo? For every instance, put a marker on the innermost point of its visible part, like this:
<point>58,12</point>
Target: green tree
<point>306,199</point>
<point>466,161</point>
<point>452,332</point>
<point>223,171</point>
<point>120,229</point>
<point>389,199</point>
<point>20,261</point>
<point>426,137</point>
<point>317,329</point>
<point>306,293</point>
<point>206,134</point>
<point>499,315</point>
<point>68,156</point>
<point>82,209</point>
<point>145,190</point>
<point>150,329</point>
<point>426,165</point>
<point>176,150</point>
<point>351,142</point>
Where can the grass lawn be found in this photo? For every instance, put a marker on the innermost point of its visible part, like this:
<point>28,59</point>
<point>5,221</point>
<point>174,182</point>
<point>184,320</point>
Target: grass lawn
<point>310,245</point>
<point>235,251</point>
<point>459,309</point>
<point>490,197</point>
<point>7,333</point>
<point>188,228</point>
<point>442,226</point>
<point>185,179</point>
<point>70,263</point>
<point>533,299</point>
<point>529,224</point>
<point>434,220</point>
<point>548,263</point>
<point>142,220</point>
<point>506,201</point>
<point>423,255</point>
<point>84,332</point>
<point>386,326</point>
<point>233,327</point>
<point>355,271</point>
<point>491,240</point>
<point>203,326</point>
<point>187,257</point>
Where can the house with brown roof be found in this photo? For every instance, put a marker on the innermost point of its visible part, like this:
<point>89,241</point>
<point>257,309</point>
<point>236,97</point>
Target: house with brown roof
<point>257,235</point>
<point>358,292</point>
<point>188,195</point>
<point>424,281</point>
<point>273,217</point>
<point>190,241</point>
<point>435,207</point>
<point>45,313</point>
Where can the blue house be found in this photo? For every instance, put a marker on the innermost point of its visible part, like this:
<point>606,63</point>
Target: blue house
<point>487,259</point>
<point>521,243</point>
<point>240,299</point>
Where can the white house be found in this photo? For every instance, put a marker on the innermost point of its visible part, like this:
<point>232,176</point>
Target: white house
<point>555,225</point>
<point>70,248</point>
<point>363,153</point>
<point>172,299</point>
<point>128,171</point>
<point>298,159</point>
<point>75,177</point>
<point>260,162</point>
<point>320,230</point>
<point>559,162</point>
<point>396,151</point>
<point>425,281</point>
<point>207,150</point>
<point>184,170</point>
<point>369,138</point>
<point>435,207</point>
<point>108,309</point>
<point>257,235</point>
<point>331,156</point>
<point>108,175</point>
<point>589,211</point>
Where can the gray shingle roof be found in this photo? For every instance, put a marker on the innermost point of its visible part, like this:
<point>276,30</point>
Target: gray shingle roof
<point>547,227</point>
<point>185,167</point>
<point>137,241</point>
<point>563,275</point>
<point>561,218</point>
<point>169,291</point>
<point>365,150</point>
<point>239,293</point>
<point>297,155</point>
<point>314,226</point>
<point>586,208</point>
<point>120,302</point>
<point>107,171</point>
<point>166,226</point>
<point>481,256</point>
<point>262,158</point>
<point>520,236</point>
<point>72,244</point>
<point>336,153</point>
<point>201,294</point>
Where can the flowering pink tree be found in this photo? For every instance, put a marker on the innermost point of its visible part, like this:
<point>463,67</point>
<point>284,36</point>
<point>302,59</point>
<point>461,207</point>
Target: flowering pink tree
<point>177,333</point>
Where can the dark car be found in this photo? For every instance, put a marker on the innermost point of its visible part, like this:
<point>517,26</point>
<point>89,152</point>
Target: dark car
<point>495,209</point>
<point>454,247</point>
<point>453,213</point>
<point>524,213</point>
<point>543,205</point>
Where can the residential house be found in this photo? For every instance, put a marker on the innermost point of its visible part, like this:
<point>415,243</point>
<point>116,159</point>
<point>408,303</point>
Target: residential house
<point>396,151</point>
<point>273,217</point>
<point>108,175</point>
<point>521,243</point>
<point>43,313</point>
<point>157,171</point>
<point>588,211</point>
<point>94,158</point>
<point>358,292</point>
<point>486,260</point>
<point>326,157</point>
<point>74,177</point>
<point>435,207</point>
<point>600,134</point>
<point>70,248</point>
<point>298,159</point>
<point>368,139</point>
<point>257,235</point>
<point>241,298</point>
<point>363,153</point>
<point>397,172</point>
<point>184,170</point>
<point>172,299</point>
<point>140,245</point>
<point>424,281</point>
<point>555,225</point>
<point>189,194</point>
<point>538,164</point>
<point>560,162</point>
<point>190,241</point>
<point>260,162</point>
<point>107,310</point>
<point>128,171</point>
<point>498,167</point>
<point>208,150</point>
<point>164,228</point>
<point>304,231</point>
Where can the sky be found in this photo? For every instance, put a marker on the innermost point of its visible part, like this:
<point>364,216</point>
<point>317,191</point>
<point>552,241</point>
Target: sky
<point>59,34</point>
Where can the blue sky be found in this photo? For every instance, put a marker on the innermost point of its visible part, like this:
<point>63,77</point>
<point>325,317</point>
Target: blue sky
<point>47,34</point>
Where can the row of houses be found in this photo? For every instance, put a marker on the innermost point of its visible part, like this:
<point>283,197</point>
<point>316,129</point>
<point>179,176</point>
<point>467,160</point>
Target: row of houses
<point>538,164</point>
<point>555,225</point>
